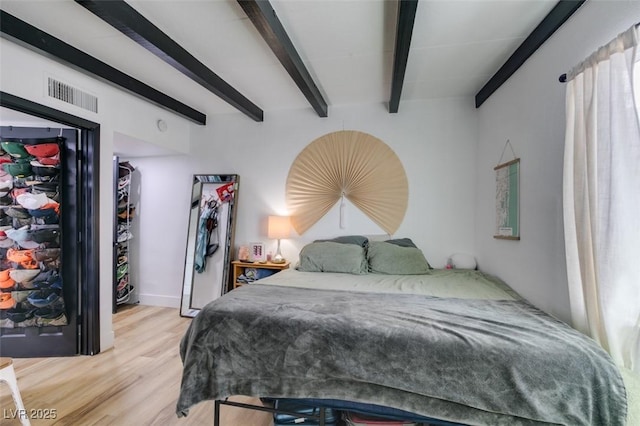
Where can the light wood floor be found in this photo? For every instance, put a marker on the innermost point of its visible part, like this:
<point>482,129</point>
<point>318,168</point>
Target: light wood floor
<point>135,383</point>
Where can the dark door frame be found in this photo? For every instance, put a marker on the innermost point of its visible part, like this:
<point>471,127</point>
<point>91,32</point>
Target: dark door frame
<point>88,273</point>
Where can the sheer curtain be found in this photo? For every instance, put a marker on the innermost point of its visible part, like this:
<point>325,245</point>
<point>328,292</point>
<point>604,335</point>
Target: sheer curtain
<point>602,199</point>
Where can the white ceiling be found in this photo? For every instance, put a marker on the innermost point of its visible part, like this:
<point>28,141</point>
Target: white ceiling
<point>347,46</point>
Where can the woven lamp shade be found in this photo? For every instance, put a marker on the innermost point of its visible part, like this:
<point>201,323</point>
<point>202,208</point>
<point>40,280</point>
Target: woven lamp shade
<point>355,164</point>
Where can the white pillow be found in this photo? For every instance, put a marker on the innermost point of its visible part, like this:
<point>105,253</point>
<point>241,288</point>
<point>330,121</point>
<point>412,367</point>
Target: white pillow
<point>463,261</point>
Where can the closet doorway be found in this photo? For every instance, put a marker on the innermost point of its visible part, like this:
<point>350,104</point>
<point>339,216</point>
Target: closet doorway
<point>78,254</point>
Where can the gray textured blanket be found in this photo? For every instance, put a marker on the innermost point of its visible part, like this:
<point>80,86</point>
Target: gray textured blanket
<point>469,361</point>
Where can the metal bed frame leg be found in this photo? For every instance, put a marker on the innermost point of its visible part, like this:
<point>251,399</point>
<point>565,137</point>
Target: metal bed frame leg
<point>321,416</point>
<point>216,413</point>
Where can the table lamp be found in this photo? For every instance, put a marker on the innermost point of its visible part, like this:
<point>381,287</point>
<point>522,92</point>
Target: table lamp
<point>278,227</point>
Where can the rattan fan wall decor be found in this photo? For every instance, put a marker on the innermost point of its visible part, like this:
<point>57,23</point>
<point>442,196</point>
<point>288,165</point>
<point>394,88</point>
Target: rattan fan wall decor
<point>352,164</point>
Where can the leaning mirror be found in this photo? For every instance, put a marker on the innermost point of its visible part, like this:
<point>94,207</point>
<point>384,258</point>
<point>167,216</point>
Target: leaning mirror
<point>209,241</point>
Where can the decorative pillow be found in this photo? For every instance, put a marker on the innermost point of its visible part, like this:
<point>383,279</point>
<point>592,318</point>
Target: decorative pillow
<point>463,261</point>
<point>329,256</point>
<point>402,242</point>
<point>388,258</point>
<point>358,240</point>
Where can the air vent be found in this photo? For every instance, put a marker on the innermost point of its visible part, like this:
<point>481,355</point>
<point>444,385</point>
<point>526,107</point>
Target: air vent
<point>72,95</point>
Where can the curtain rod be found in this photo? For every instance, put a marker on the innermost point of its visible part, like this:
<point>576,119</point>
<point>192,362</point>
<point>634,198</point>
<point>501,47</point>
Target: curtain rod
<point>563,77</point>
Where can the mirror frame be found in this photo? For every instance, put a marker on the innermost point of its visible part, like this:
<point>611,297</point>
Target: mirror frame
<point>198,183</point>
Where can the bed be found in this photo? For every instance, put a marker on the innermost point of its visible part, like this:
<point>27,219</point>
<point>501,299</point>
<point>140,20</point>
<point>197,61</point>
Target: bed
<point>455,345</point>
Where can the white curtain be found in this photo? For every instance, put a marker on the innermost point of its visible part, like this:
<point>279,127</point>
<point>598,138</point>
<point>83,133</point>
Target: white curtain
<point>602,199</point>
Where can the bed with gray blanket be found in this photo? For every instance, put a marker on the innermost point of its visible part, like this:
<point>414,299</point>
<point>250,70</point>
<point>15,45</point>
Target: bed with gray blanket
<point>376,325</point>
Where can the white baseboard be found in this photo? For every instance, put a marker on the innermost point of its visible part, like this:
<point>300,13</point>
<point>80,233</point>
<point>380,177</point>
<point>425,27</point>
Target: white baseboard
<point>157,300</point>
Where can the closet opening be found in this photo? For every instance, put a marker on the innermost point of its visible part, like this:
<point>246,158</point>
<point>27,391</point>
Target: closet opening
<point>79,240</point>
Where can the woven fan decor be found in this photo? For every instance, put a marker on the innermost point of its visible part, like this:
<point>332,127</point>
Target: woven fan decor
<point>354,164</point>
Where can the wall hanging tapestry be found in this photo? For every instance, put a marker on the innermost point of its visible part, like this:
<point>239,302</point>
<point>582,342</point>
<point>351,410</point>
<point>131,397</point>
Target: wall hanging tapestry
<point>508,198</point>
<point>352,165</point>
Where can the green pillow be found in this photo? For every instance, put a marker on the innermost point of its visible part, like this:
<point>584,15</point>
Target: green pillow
<point>348,239</point>
<point>328,256</point>
<point>389,258</point>
<point>402,242</point>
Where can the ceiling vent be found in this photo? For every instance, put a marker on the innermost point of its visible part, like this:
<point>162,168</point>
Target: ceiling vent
<point>71,95</point>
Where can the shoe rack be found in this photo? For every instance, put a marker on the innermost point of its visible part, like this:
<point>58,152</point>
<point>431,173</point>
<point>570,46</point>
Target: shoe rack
<point>125,212</point>
<point>31,287</point>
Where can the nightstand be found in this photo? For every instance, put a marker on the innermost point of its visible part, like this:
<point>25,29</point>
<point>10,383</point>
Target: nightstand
<point>239,267</point>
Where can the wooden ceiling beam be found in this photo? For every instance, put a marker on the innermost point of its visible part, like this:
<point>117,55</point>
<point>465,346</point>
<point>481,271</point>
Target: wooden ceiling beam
<point>127,20</point>
<point>27,35</point>
<point>266,21</point>
<point>554,20</point>
<point>404,31</point>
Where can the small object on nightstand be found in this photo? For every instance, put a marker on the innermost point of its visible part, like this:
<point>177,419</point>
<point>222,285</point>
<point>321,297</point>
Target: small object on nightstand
<point>243,253</point>
<point>256,252</point>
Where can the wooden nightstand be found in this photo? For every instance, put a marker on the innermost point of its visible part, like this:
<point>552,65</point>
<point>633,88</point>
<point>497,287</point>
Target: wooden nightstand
<point>239,266</point>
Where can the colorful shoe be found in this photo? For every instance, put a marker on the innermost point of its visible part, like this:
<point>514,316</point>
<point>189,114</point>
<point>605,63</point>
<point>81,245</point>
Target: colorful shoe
<point>20,170</point>
<point>40,169</point>
<point>123,296</point>
<point>45,255</point>
<point>54,160</point>
<point>18,212</point>
<point>42,298</point>
<point>45,235</point>
<point>23,258</point>
<point>7,284</point>
<point>24,275</point>
<point>124,181</point>
<point>31,201</point>
<point>6,301</point>
<point>123,283</point>
<point>6,242</point>
<point>121,260</point>
<point>15,149</point>
<point>49,312</point>
<point>43,149</point>
<point>121,271</point>
<point>124,236</point>
<point>20,314</point>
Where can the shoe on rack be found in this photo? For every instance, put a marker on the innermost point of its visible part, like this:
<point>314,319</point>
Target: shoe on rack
<point>20,314</point>
<point>124,181</point>
<point>49,312</point>
<point>6,301</point>
<point>124,236</point>
<point>42,298</point>
<point>121,271</point>
<point>122,259</point>
<point>123,295</point>
<point>23,275</point>
<point>123,283</point>
<point>7,284</point>
<point>43,149</point>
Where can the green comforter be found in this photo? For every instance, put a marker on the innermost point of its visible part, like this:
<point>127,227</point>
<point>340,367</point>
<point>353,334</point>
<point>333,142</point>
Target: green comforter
<point>478,362</point>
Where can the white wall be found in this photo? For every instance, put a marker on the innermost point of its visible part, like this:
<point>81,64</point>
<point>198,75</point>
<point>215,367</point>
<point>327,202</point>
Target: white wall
<point>435,141</point>
<point>23,73</point>
<point>529,111</point>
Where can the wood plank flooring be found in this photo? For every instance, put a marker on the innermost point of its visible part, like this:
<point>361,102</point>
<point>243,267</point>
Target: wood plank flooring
<point>135,383</point>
